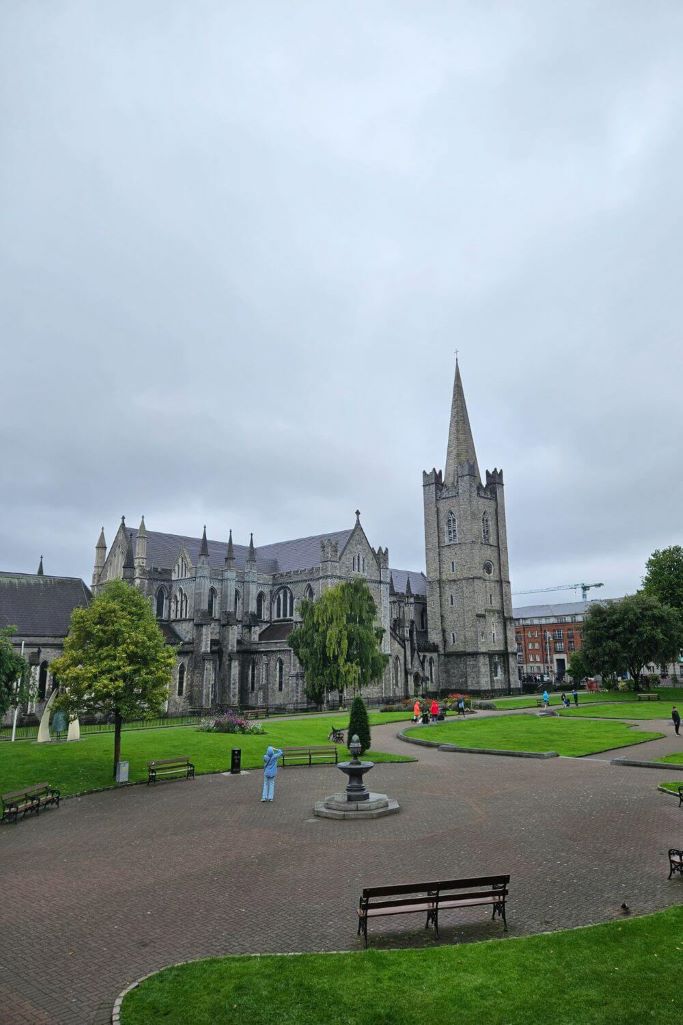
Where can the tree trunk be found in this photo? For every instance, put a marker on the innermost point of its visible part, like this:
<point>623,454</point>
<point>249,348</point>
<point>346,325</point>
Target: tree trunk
<point>118,722</point>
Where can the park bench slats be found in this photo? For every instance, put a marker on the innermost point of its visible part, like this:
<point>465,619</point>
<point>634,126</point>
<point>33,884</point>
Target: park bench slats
<point>169,767</point>
<point>431,897</point>
<point>675,862</point>
<point>255,713</point>
<point>680,796</point>
<point>30,799</point>
<point>647,697</point>
<point>311,754</point>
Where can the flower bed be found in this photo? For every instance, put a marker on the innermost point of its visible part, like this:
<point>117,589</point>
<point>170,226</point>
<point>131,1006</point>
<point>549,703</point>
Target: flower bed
<point>230,723</point>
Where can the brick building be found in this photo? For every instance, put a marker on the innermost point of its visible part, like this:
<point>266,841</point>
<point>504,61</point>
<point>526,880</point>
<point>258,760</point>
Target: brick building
<point>546,636</point>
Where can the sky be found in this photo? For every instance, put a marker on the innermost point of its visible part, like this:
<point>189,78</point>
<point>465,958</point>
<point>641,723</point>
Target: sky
<point>240,244</point>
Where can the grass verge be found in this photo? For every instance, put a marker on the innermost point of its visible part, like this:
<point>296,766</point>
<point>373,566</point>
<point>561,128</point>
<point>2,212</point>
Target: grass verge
<point>573,737</point>
<point>675,759</point>
<point>672,788</point>
<point>87,765</point>
<point>626,972</point>
<point>623,710</point>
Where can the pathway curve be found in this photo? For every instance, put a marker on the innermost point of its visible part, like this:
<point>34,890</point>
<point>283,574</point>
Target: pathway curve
<point>115,885</point>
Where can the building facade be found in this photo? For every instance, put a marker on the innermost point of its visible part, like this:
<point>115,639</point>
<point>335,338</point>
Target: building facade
<point>546,636</point>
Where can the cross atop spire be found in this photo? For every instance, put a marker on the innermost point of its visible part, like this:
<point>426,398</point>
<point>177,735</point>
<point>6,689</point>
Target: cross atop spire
<point>460,441</point>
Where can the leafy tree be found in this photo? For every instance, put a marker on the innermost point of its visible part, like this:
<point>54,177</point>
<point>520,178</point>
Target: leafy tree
<point>338,641</point>
<point>115,660</point>
<point>578,668</point>
<point>664,576</point>
<point>13,672</point>
<point>627,634</point>
<point>359,724</point>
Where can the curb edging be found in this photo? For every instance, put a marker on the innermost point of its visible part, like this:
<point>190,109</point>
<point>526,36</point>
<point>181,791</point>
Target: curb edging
<point>476,750</point>
<point>676,766</point>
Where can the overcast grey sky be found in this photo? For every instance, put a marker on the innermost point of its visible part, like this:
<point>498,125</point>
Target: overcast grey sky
<point>240,243</point>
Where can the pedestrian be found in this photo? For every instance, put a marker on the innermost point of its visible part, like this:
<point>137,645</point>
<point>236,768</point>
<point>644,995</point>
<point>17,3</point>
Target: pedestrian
<point>565,700</point>
<point>676,716</point>
<point>416,710</point>
<point>434,710</point>
<point>546,699</point>
<point>461,707</point>
<point>575,695</point>
<point>270,759</point>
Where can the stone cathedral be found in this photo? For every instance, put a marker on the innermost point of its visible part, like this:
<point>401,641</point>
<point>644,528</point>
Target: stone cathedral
<point>229,608</point>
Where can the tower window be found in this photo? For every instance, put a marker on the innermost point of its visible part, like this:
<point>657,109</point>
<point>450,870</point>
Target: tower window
<point>452,636</point>
<point>181,680</point>
<point>485,529</point>
<point>452,565</point>
<point>280,674</point>
<point>451,528</point>
<point>452,602</point>
<point>212,601</point>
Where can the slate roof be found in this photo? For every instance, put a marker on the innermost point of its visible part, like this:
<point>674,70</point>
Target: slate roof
<point>281,557</point>
<point>567,608</point>
<point>40,606</point>
<point>418,581</point>
<point>276,632</point>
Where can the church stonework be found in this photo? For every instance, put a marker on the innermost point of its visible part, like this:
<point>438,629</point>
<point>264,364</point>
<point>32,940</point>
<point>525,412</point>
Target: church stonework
<point>229,609</point>
<point>469,604</point>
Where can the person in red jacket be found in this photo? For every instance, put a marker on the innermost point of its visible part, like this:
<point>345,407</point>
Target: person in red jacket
<point>434,710</point>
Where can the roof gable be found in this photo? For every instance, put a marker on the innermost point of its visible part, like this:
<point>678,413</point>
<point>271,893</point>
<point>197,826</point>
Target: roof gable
<point>40,606</point>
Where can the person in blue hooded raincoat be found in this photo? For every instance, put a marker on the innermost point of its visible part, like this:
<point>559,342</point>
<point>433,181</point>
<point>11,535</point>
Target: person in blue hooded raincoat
<point>270,760</point>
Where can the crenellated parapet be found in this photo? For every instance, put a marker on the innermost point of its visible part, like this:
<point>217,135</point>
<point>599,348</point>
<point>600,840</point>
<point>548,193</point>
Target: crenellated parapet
<point>494,477</point>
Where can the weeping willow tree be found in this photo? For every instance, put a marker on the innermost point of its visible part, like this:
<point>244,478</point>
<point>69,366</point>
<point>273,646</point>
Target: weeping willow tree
<point>338,642</point>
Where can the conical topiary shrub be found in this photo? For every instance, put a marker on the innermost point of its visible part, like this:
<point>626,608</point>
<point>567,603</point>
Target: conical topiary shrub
<point>359,724</point>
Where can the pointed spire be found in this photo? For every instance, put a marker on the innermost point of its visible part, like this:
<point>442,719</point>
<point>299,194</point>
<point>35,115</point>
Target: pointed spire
<point>128,561</point>
<point>252,550</point>
<point>204,547</point>
<point>460,441</point>
<point>409,590</point>
<point>142,529</point>
<point>230,552</point>
<point>392,589</point>
<point>40,567</point>
<point>101,543</point>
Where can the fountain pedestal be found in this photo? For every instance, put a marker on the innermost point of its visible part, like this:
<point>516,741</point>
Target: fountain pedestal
<point>356,802</point>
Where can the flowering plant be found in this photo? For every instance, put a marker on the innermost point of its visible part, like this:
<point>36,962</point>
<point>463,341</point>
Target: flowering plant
<point>230,723</point>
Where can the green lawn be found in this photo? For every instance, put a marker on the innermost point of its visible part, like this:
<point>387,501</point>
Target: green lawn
<point>624,710</point>
<point>530,733</point>
<point>626,972</point>
<point>676,759</point>
<point>672,787</point>
<point>87,765</point>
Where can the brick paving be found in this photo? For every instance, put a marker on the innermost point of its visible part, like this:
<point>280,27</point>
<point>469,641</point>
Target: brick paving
<point>114,885</point>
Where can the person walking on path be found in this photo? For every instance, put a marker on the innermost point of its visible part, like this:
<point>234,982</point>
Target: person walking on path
<point>461,707</point>
<point>676,716</point>
<point>546,699</point>
<point>434,710</point>
<point>270,759</point>
<point>575,695</point>
<point>417,711</point>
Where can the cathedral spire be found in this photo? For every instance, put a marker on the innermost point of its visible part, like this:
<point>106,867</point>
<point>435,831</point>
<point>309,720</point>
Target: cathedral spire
<point>40,567</point>
<point>204,547</point>
<point>251,557</point>
<point>460,441</point>
<point>230,553</point>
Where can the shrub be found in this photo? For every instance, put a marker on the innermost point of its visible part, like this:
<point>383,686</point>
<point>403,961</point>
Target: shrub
<point>484,706</point>
<point>359,724</point>
<point>230,723</point>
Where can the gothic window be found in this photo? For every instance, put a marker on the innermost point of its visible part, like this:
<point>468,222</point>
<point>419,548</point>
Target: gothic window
<point>423,619</point>
<point>452,565</point>
<point>212,602</point>
<point>485,529</point>
<point>431,670</point>
<point>397,672</point>
<point>452,636</point>
<point>284,604</point>
<point>353,561</point>
<point>42,681</point>
<point>181,679</point>
<point>237,603</point>
<point>451,599</point>
<point>259,605</point>
<point>451,528</point>
<point>252,674</point>
<point>364,564</point>
<point>183,604</point>
<point>280,675</point>
<point>493,635</point>
<point>175,606</point>
<point>160,603</point>
<point>308,594</point>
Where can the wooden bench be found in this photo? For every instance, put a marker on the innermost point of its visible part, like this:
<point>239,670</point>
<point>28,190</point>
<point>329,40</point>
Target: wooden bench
<point>30,799</point>
<point>680,796</point>
<point>675,862</point>
<point>169,767</point>
<point>316,754</point>
<point>644,696</point>
<point>430,898</point>
<point>255,713</point>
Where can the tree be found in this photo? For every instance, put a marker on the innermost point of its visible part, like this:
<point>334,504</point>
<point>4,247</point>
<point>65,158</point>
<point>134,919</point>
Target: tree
<point>115,659</point>
<point>338,642</point>
<point>627,634</point>
<point>577,668</point>
<point>664,576</point>
<point>359,724</point>
<point>13,672</point>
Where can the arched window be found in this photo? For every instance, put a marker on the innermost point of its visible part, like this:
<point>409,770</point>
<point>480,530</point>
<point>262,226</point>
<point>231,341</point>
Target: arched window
<point>259,605</point>
<point>354,563</point>
<point>485,529</point>
<point>252,674</point>
<point>161,603</point>
<point>280,675</point>
<point>431,670</point>
<point>176,607</point>
<point>183,603</point>
<point>451,528</point>
<point>308,593</point>
<point>397,672</point>
<point>237,603</point>
<point>423,620</point>
<point>181,679</point>
<point>364,564</point>
<point>284,604</point>
<point>213,595</point>
<point>42,681</point>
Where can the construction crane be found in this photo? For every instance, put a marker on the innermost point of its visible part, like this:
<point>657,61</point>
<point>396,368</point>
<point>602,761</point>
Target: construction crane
<point>585,588</point>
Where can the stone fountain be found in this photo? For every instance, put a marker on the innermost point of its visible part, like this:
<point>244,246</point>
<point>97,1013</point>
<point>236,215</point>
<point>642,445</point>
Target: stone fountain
<point>356,802</point>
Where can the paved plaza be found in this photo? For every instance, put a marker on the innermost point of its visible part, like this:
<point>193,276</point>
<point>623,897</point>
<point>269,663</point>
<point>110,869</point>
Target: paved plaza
<point>115,885</point>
